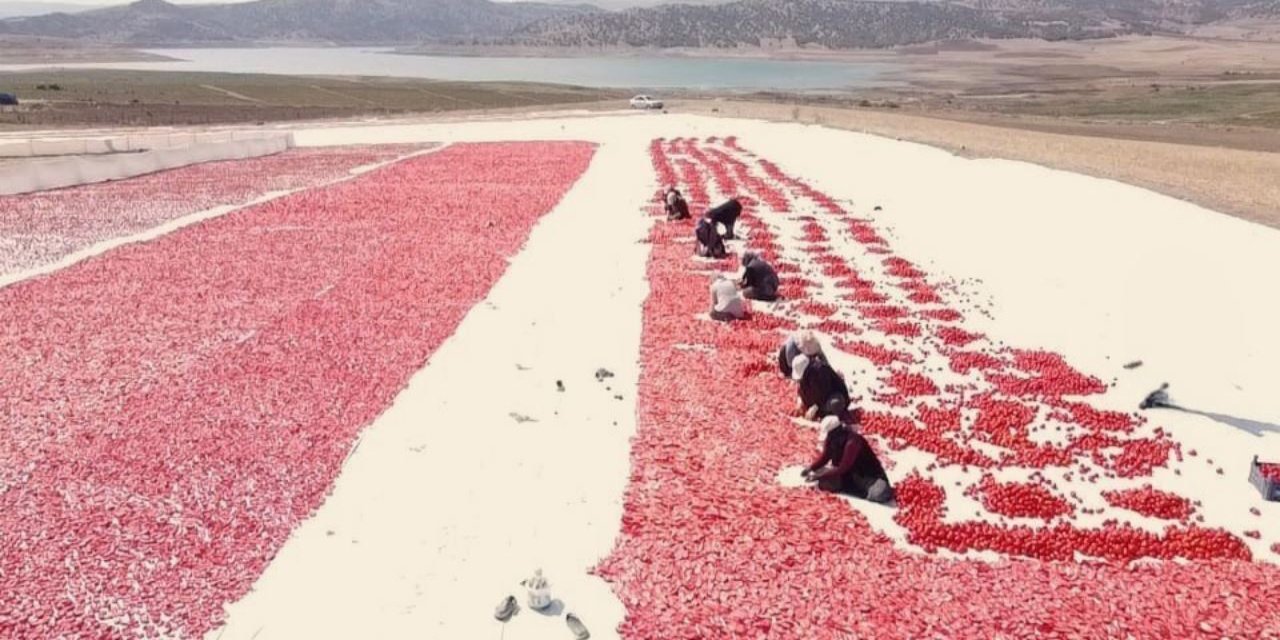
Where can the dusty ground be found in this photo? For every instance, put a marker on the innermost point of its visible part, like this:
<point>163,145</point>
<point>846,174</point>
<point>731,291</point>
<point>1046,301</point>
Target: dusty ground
<point>1196,128</point>
<point>963,66</point>
<point>149,98</point>
<point>1135,80</point>
<point>1196,118</point>
<point>1241,182</point>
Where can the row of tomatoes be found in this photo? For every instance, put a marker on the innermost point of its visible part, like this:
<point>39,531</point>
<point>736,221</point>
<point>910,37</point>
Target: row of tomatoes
<point>183,404</point>
<point>40,228</point>
<point>713,547</point>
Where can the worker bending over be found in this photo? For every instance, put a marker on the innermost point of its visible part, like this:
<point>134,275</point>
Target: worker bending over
<point>726,304</point>
<point>799,343</point>
<point>677,208</point>
<point>759,280</point>
<point>725,214</point>
<point>822,391</point>
<point>855,470</point>
<point>710,244</point>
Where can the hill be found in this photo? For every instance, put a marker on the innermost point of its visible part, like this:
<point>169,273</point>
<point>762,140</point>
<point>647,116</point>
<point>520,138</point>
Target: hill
<point>21,8</point>
<point>153,22</point>
<point>832,24</point>
<point>854,23</point>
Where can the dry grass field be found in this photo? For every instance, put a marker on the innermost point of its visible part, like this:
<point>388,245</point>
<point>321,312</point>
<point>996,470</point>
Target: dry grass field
<point>149,98</point>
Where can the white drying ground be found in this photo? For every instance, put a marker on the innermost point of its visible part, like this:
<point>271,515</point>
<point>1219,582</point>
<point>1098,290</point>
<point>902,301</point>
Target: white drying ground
<point>451,497</point>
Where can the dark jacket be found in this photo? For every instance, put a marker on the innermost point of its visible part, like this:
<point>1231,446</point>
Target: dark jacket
<point>786,355</point>
<point>677,207</point>
<point>760,276</point>
<point>726,213</point>
<point>710,244</point>
<point>850,455</point>
<point>820,383</point>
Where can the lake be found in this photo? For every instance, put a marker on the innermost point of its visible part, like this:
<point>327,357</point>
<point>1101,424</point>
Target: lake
<point>653,72</point>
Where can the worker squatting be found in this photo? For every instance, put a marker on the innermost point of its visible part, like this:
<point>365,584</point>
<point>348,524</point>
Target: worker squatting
<point>846,463</point>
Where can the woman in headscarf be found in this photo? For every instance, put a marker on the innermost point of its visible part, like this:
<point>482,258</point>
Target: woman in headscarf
<point>759,280</point>
<point>710,244</point>
<point>726,214</point>
<point>726,304</point>
<point>822,391</point>
<point>802,342</point>
<point>677,207</point>
<point>855,470</point>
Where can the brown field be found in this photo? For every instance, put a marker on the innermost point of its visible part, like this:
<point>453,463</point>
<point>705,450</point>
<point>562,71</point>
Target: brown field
<point>1238,181</point>
<point>163,98</point>
<point>39,50</point>
<point>1195,118</point>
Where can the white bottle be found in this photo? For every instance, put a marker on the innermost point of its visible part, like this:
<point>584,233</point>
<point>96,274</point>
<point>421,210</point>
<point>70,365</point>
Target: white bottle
<point>539,591</point>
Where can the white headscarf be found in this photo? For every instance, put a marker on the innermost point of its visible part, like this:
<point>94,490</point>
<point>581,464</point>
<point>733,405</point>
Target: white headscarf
<point>798,366</point>
<point>726,299</point>
<point>808,343</point>
<point>829,424</point>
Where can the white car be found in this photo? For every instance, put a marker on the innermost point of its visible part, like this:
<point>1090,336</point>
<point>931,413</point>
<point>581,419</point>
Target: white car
<point>645,102</point>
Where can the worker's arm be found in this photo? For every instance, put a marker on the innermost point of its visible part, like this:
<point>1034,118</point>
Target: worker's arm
<point>822,459</point>
<point>851,450</point>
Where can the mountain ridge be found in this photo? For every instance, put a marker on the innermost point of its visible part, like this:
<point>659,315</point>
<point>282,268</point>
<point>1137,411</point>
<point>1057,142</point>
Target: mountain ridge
<point>157,22</point>
<point>829,24</point>
<point>11,9</point>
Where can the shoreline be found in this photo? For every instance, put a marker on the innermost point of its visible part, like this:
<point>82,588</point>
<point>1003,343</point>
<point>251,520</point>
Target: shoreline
<point>866,56</point>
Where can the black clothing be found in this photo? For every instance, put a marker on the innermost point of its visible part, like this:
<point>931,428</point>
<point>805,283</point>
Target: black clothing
<point>855,467</point>
<point>822,387</point>
<point>726,214</point>
<point>787,354</point>
<point>865,463</point>
<point>760,278</point>
<point>677,208</point>
<point>710,244</point>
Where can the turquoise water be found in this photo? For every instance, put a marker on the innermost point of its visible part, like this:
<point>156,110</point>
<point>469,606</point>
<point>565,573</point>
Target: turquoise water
<point>638,72</point>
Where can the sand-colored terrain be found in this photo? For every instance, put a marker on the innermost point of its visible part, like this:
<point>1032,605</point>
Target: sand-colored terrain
<point>40,50</point>
<point>1037,243</point>
<point>1236,181</point>
<point>1197,118</point>
<point>998,61</point>
<point>482,469</point>
<point>104,98</point>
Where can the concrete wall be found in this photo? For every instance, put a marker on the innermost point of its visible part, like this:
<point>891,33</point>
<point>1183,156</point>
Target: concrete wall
<point>69,171</point>
<point>105,144</point>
